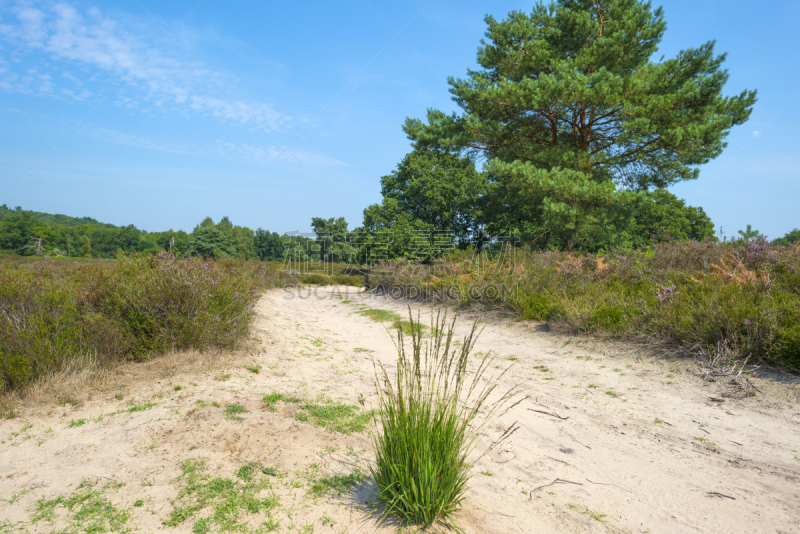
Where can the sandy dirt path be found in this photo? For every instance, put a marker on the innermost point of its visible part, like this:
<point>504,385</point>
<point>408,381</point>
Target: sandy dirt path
<point>611,439</point>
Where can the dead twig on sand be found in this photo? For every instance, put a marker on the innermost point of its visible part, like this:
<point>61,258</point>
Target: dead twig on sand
<point>550,414</point>
<point>556,481</point>
<point>718,494</point>
<point>738,371</point>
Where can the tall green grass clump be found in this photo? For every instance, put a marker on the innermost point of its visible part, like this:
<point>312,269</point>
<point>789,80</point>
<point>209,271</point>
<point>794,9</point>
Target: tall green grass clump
<point>431,414</point>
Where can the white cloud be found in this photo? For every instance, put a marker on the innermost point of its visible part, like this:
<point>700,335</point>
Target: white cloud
<point>237,151</point>
<point>96,43</point>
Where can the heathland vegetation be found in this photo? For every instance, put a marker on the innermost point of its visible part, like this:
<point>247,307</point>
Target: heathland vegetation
<point>55,312</point>
<point>578,133</point>
<point>568,220</point>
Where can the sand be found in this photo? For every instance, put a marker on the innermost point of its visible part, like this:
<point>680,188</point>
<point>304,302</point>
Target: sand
<point>613,437</point>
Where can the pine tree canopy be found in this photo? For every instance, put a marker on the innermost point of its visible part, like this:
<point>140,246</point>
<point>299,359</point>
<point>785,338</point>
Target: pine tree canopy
<point>570,106</point>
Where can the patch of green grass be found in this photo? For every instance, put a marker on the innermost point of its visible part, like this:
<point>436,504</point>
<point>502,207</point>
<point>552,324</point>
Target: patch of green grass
<point>591,386</point>
<point>542,368</point>
<point>270,399</point>
<point>359,349</point>
<point>230,499</point>
<point>612,394</point>
<point>14,496</point>
<point>177,388</point>
<point>487,473</point>
<point>407,326</point>
<point>327,413</point>
<point>255,368</point>
<point>585,511</point>
<point>658,422</point>
<point>76,422</point>
<point>335,416</point>
<point>380,315</point>
<point>87,510</point>
<point>142,407</point>
<point>222,377</point>
<point>338,483</point>
<point>232,412</point>
<point>269,526</point>
<point>326,520</point>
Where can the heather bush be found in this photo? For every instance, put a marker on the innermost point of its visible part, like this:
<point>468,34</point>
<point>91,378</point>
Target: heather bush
<point>695,295</point>
<point>53,311</point>
<point>165,303</point>
<point>316,279</point>
<point>39,326</point>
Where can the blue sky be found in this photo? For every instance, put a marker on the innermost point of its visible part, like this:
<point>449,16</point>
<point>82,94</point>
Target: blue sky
<point>159,114</point>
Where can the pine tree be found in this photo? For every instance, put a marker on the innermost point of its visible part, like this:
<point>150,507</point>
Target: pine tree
<point>574,117</point>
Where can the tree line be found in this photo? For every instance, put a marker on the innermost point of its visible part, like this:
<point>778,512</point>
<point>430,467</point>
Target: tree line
<point>568,138</point>
<point>30,233</point>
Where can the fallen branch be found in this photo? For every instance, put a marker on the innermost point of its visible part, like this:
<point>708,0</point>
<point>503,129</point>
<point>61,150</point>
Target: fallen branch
<point>718,494</point>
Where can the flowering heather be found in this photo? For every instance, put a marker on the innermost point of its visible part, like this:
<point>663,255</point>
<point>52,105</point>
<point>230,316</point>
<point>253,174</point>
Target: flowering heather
<point>667,294</point>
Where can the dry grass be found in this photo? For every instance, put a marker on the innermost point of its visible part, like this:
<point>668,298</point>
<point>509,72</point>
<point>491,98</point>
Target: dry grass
<point>83,379</point>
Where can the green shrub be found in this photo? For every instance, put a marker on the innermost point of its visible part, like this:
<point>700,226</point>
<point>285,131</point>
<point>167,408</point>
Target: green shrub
<point>539,306</point>
<point>429,420</point>
<point>695,295</point>
<point>317,279</point>
<point>39,327</point>
<point>168,303</point>
<point>348,280</point>
<point>53,312</point>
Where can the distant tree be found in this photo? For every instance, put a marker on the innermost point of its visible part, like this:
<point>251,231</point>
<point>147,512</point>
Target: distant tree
<point>789,239</point>
<point>129,239</point>
<point>431,203</point>
<point>268,246</point>
<point>333,240</point>
<point>665,217</point>
<point>85,247</point>
<point>389,232</point>
<point>211,242</point>
<point>575,119</point>
<point>16,230</point>
<point>440,189</point>
<point>750,234</point>
<point>180,243</point>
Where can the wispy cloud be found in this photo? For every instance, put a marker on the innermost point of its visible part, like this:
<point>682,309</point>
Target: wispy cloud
<point>109,52</point>
<point>225,149</point>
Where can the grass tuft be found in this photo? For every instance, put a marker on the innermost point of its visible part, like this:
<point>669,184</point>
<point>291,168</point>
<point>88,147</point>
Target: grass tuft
<point>429,420</point>
<point>380,315</point>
